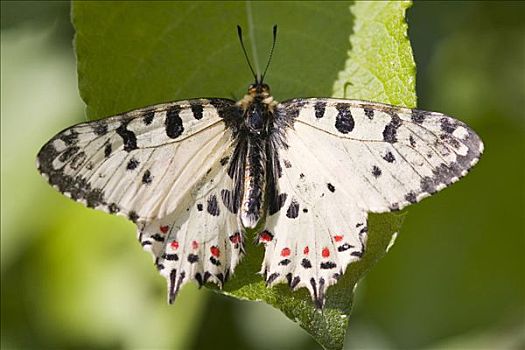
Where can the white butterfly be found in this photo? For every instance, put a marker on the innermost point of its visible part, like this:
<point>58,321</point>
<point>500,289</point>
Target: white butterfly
<point>194,175</point>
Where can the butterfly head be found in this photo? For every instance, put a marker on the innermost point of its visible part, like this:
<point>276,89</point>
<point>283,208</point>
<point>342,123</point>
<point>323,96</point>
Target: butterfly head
<point>258,104</point>
<point>259,90</point>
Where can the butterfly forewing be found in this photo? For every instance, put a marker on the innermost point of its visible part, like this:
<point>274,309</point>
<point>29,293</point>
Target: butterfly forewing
<point>385,157</point>
<point>141,163</point>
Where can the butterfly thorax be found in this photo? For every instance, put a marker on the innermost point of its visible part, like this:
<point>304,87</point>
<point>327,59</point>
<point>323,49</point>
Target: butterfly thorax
<point>258,106</point>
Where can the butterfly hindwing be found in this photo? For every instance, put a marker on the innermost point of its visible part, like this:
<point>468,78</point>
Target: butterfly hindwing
<point>316,234</point>
<point>202,240</point>
<point>343,159</point>
<point>142,163</point>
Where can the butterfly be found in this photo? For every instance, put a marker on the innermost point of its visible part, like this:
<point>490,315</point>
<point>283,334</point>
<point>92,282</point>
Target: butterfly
<point>303,174</point>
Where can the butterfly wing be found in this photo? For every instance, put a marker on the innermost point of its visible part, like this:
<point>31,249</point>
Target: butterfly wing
<point>343,159</point>
<point>202,240</point>
<point>386,157</point>
<point>143,163</point>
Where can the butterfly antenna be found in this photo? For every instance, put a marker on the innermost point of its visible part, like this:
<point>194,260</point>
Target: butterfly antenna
<point>271,52</point>
<point>239,32</point>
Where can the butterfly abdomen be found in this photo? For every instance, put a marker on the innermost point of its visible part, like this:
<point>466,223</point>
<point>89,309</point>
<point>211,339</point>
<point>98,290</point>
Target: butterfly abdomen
<point>254,182</point>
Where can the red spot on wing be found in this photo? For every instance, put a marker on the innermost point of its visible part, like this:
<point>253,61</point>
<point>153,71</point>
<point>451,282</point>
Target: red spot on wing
<point>174,244</point>
<point>265,236</point>
<point>164,229</point>
<point>235,238</point>
<point>195,244</point>
<point>338,238</point>
<point>325,252</point>
<point>215,251</point>
<point>285,252</point>
<point>306,250</point>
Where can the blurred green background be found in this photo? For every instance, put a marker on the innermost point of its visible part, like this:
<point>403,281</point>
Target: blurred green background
<point>455,279</point>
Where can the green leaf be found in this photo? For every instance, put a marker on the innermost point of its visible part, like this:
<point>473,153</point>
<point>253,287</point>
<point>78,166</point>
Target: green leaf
<point>133,54</point>
<point>380,66</point>
<point>144,53</point>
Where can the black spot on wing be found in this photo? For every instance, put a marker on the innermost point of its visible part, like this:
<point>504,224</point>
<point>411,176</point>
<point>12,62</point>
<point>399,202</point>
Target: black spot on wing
<point>69,137</point>
<point>411,197</point>
<point>412,141</point>
<point>199,207</point>
<point>198,278</point>
<point>157,237</point>
<point>197,110</point>
<point>306,263</point>
<point>444,174</point>
<point>113,208</point>
<point>389,157</point>
<point>330,187</point>
<point>128,137</point>
<point>285,262</point>
<point>428,185</point>
<point>94,198</point>
<point>147,117</point>
<point>390,131</point>
<point>294,282</point>
<point>171,290</point>
<point>214,261</point>
<point>170,257</point>
<point>132,164</point>
<point>376,171</point>
<point>192,258</point>
<point>293,210</point>
<point>358,253</point>
<point>107,149</point>
<point>133,216</point>
<point>272,278</point>
<point>100,128</point>
<point>369,112</point>
<point>213,206</point>
<point>147,178</point>
<point>447,126</point>
<point>344,247</point>
<point>206,276</point>
<point>173,122</point>
<point>344,122</point>
<point>328,265</point>
<point>319,108</point>
<point>418,116</point>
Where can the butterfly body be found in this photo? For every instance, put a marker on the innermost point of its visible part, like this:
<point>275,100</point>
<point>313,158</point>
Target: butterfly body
<point>254,134</point>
